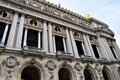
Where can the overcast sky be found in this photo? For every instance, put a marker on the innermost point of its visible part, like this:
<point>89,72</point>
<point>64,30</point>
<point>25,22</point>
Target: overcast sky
<point>107,11</point>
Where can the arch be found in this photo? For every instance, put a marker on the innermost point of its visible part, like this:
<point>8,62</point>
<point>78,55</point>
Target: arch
<point>37,66</point>
<point>89,73</point>
<point>68,69</point>
<point>106,74</point>
<point>64,74</point>
<point>30,73</point>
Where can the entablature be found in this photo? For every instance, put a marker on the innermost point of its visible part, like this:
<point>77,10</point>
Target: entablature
<point>55,11</point>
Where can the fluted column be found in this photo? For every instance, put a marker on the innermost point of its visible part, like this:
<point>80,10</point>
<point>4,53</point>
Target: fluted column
<point>39,39</point>
<point>117,50</point>
<point>64,45</point>
<point>12,33</point>
<point>20,32</point>
<point>5,33</point>
<point>45,37</point>
<point>69,46</point>
<point>74,45</point>
<point>90,47</point>
<point>25,37</point>
<point>88,52</point>
<point>50,37</point>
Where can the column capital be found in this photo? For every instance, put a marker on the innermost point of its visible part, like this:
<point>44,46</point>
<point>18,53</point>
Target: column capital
<point>7,23</point>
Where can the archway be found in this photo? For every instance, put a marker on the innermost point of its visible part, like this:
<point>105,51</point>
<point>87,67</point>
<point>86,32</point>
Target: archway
<point>106,75</point>
<point>64,74</point>
<point>30,73</point>
<point>87,75</point>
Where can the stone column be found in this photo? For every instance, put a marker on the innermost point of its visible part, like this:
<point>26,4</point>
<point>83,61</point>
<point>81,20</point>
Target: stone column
<point>69,46</point>
<point>74,45</point>
<point>64,44</point>
<point>54,44</point>
<point>50,37</point>
<point>20,32</point>
<point>90,47</point>
<point>103,52</point>
<point>98,51</point>
<point>25,37</point>
<point>12,33</point>
<point>117,50</point>
<point>87,46</point>
<point>45,37</point>
<point>39,39</point>
<point>83,48</point>
<point>5,33</point>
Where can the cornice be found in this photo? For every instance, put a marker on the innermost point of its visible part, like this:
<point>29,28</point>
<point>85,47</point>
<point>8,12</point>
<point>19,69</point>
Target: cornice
<point>63,10</point>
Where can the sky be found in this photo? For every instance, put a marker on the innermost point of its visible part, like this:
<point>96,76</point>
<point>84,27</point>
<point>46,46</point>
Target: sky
<point>107,11</point>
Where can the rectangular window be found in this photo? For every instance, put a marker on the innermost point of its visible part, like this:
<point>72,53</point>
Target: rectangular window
<point>94,47</point>
<point>32,38</point>
<point>59,43</point>
<point>79,48</point>
<point>2,28</point>
<point>113,52</point>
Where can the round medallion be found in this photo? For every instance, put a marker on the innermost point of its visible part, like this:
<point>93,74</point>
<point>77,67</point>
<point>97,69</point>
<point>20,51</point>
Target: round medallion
<point>11,62</point>
<point>78,67</point>
<point>51,65</point>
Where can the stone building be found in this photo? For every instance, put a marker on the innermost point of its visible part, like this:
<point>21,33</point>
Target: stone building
<point>42,41</point>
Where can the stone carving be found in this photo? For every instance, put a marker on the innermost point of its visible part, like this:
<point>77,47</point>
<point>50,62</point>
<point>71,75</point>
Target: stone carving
<point>98,68</point>
<point>78,67</point>
<point>11,62</point>
<point>51,77</point>
<point>93,39</point>
<point>50,65</point>
<point>78,35</point>
<point>9,76</point>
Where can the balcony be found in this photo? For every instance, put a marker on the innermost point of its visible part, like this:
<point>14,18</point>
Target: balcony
<point>64,55</point>
<point>28,50</point>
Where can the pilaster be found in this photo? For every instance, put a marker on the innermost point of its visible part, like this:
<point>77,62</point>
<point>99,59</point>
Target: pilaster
<point>20,32</point>
<point>45,37</point>
<point>12,33</point>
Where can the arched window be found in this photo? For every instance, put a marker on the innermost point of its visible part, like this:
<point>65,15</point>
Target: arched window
<point>105,75</point>
<point>87,75</point>
<point>64,74</point>
<point>30,73</point>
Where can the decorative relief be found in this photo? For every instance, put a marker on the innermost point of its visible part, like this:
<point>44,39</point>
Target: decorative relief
<point>33,22</point>
<point>77,35</point>
<point>93,39</point>
<point>50,65</point>
<point>58,29</point>
<point>5,15</point>
<point>11,62</point>
<point>109,42</point>
<point>98,68</point>
<point>78,67</point>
